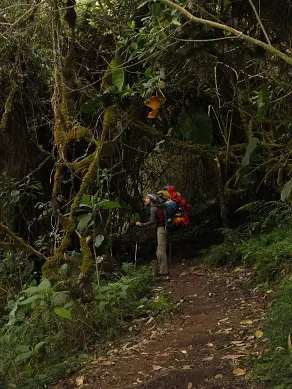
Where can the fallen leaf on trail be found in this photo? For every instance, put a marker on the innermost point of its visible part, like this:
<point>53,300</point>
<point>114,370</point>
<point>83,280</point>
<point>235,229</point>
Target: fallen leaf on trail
<point>156,368</point>
<point>184,351</point>
<point>210,344</point>
<point>218,376</point>
<point>187,367</point>
<point>251,337</point>
<point>208,359</point>
<point>239,372</point>
<point>108,363</point>
<point>183,274</point>
<point>246,321</point>
<point>222,320</point>
<point>224,331</point>
<point>164,354</point>
<point>150,320</point>
<point>79,380</point>
<point>235,356</point>
<point>190,385</point>
<point>238,343</point>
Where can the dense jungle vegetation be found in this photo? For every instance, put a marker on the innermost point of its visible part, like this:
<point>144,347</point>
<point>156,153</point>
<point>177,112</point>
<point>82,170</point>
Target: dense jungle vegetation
<point>103,101</point>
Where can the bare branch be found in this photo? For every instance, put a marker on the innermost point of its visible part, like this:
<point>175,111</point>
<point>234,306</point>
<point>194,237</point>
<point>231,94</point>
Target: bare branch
<point>27,13</point>
<point>260,22</point>
<point>19,243</point>
<point>230,30</point>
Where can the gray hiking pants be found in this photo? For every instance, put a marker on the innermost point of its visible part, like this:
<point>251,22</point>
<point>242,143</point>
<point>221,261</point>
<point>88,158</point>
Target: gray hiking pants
<point>161,250</point>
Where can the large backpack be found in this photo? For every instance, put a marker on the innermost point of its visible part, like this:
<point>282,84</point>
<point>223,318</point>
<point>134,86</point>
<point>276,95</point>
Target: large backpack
<point>175,208</point>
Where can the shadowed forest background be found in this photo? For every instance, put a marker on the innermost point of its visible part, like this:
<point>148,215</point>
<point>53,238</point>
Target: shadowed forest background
<point>104,101</point>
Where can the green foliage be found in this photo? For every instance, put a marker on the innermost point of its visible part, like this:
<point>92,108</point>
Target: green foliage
<point>269,253</point>
<point>107,204</point>
<point>251,152</point>
<point>63,312</point>
<point>15,195</point>
<point>44,324</point>
<point>117,73</point>
<point>263,102</point>
<point>89,209</point>
<point>161,305</point>
<point>127,52</point>
<point>49,374</point>
<point>223,254</point>
<point>286,191</point>
<point>275,368</point>
<point>196,126</point>
<point>267,213</point>
<point>278,322</point>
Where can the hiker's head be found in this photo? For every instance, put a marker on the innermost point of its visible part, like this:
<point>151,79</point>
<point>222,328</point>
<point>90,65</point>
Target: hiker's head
<point>150,199</point>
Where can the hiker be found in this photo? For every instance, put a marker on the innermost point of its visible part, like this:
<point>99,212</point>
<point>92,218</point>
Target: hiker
<point>157,219</point>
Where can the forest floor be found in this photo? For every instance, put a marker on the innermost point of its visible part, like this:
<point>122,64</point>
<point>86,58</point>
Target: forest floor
<point>207,343</point>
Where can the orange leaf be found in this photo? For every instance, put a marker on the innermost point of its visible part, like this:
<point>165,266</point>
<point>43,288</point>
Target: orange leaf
<point>153,114</point>
<point>259,334</point>
<point>154,102</point>
<point>239,372</point>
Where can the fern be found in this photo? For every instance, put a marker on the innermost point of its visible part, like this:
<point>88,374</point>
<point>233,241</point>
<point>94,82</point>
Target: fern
<point>230,235</point>
<point>268,212</point>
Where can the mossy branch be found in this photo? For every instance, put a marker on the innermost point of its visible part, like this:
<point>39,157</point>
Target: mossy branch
<point>28,177</point>
<point>271,49</point>
<point>7,108</point>
<point>19,243</point>
<point>50,267</point>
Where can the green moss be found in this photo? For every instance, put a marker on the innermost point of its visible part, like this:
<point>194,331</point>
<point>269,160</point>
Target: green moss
<point>77,133</point>
<point>109,118</point>
<point>87,259</point>
<point>83,165</point>
<point>56,188</point>
<point>59,133</point>
<point>7,108</point>
<point>87,180</point>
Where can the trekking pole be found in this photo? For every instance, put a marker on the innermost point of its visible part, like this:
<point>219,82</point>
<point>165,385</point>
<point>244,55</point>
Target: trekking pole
<point>136,247</point>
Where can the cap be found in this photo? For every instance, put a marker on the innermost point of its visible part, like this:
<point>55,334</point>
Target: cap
<point>152,196</point>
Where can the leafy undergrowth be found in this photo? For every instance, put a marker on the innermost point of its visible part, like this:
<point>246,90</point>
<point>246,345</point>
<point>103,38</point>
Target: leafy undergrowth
<point>270,255</point>
<point>275,367</point>
<point>50,332</point>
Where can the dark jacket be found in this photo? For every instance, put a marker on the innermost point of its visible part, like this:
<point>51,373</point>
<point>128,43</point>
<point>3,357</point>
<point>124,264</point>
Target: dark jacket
<point>153,217</point>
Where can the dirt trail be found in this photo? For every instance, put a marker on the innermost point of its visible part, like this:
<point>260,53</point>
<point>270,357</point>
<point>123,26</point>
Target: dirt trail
<point>206,343</point>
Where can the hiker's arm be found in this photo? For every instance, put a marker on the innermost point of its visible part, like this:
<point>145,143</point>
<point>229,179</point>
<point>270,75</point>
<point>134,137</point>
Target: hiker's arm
<point>152,219</point>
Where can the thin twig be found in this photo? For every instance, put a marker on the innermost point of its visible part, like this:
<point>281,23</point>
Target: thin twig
<point>20,243</point>
<point>230,30</point>
<point>260,22</point>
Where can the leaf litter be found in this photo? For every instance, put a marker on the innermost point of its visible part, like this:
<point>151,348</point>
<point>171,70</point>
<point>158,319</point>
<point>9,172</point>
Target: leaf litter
<point>172,346</point>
